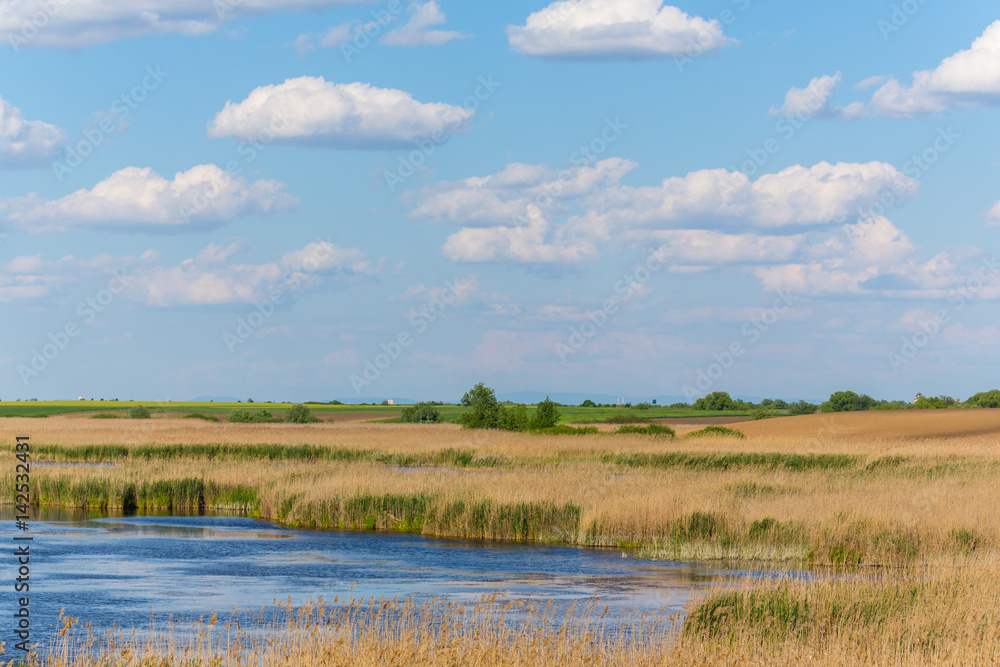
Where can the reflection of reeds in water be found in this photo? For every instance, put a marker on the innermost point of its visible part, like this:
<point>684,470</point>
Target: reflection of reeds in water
<point>494,630</point>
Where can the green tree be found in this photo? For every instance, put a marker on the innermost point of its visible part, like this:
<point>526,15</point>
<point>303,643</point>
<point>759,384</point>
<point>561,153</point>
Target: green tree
<point>802,408</point>
<point>848,401</point>
<point>546,415</point>
<point>138,412</point>
<point>717,400</point>
<point>420,413</point>
<point>588,404</point>
<point>984,399</point>
<point>300,414</point>
<point>514,418</point>
<point>484,411</point>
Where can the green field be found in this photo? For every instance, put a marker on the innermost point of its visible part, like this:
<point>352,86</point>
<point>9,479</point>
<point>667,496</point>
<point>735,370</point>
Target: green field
<point>568,414</point>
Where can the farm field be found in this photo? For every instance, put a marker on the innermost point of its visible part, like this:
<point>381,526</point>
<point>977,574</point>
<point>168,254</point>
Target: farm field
<point>905,509</point>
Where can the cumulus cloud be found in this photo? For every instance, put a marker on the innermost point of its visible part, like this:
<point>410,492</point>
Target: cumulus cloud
<point>76,24</point>
<point>310,111</point>
<point>614,29</point>
<point>531,243</point>
<point>26,144</point>
<point>813,101</point>
<point>139,199</point>
<point>419,30</point>
<point>822,194</point>
<point>993,215</point>
<point>967,78</point>
<point>507,195</point>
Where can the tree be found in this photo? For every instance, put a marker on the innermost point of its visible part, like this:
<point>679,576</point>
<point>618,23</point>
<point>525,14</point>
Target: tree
<point>717,400</point>
<point>984,399</point>
<point>300,414</point>
<point>546,415</point>
<point>588,404</point>
<point>802,408</point>
<point>848,401</point>
<point>514,418</point>
<point>484,411</point>
<point>420,413</point>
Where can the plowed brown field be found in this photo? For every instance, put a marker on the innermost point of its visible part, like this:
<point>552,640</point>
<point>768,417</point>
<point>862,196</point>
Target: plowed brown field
<point>907,424</point>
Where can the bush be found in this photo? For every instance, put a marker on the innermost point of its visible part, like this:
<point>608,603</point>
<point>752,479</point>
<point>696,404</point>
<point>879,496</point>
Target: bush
<point>652,429</point>
<point>717,431</point>
<point>588,404</point>
<point>252,417</point>
<point>985,399</point>
<point>763,412</point>
<point>300,414</point>
<point>717,400</point>
<point>420,413</point>
<point>679,405</point>
<point>546,415</point>
<point>138,412</point>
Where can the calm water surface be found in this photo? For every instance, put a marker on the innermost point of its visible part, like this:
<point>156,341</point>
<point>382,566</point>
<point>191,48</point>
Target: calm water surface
<point>115,569</point>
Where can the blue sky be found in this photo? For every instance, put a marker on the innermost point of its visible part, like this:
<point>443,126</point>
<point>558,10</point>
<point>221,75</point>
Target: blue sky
<point>328,199</point>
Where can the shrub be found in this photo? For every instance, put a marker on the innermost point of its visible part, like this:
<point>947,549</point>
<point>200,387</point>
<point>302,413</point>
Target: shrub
<point>563,429</point>
<point>300,414</point>
<point>201,415</point>
<point>514,418</point>
<point>679,405</point>
<point>717,431</point>
<point>138,412</point>
<point>546,415</point>
<point>420,413</point>
<point>252,417</point>
<point>652,429</point>
<point>763,412</point>
<point>588,404</point>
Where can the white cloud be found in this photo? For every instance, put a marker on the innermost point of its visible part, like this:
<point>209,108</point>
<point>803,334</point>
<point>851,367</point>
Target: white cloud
<point>26,144</point>
<point>310,111</point>
<point>140,199</point>
<point>507,195</point>
<point>610,29</point>
<point>707,247</point>
<point>75,24</point>
<point>531,243</point>
<point>418,31</point>
<point>822,194</point>
<point>813,101</point>
<point>969,77</point>
<point>959,334</point>
<point>338,34</point>
<point>993,215</point>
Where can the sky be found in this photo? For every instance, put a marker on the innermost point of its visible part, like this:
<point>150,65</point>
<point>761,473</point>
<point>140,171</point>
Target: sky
<point>319,199</point>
